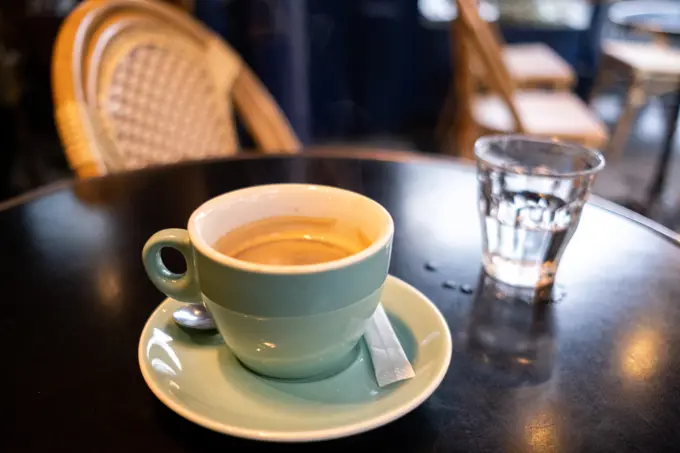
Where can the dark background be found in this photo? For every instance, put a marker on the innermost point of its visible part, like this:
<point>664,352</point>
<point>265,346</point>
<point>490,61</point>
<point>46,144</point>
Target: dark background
<point>369,71</point>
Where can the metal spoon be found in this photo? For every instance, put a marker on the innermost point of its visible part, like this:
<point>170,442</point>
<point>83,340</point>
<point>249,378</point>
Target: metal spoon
<point>194,316</point>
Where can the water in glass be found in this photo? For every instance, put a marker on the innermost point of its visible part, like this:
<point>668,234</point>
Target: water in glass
<point>523,233</point>
<point>529,207</point>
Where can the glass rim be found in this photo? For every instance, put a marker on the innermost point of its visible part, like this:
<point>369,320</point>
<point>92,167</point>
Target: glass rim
<point>482,145</point>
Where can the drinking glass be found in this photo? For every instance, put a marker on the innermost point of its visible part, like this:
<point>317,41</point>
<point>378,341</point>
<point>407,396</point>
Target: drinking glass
<point>531,194</point>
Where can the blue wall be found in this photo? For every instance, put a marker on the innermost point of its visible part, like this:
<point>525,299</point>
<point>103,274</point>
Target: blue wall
<point>344,69</point>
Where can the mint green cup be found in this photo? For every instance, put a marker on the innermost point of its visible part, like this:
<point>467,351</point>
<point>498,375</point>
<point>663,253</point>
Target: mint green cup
<point>288,322</point>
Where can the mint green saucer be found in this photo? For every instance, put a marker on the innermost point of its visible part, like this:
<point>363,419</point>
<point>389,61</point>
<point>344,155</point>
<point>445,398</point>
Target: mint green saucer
<point>196,376</point>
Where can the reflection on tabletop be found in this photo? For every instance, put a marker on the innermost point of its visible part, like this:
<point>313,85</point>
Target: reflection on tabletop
<point>511,331</point>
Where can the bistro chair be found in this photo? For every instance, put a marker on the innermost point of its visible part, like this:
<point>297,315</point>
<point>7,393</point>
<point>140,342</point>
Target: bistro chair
<point>506,109</point>
<point>140,83</point>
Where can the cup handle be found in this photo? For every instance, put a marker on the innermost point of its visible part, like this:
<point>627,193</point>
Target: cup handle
<point>182,287</point>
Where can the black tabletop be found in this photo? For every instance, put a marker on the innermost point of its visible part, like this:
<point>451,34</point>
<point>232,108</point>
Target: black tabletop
<point>598,370</point>
<point>656,17</point>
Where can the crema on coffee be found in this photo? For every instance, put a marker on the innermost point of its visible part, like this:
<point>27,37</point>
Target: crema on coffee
<point>292,241</point>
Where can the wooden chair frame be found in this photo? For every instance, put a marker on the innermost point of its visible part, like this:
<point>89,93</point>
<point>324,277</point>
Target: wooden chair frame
<point>471,34</point>
<point>458,108</point>
<point>481,38</point>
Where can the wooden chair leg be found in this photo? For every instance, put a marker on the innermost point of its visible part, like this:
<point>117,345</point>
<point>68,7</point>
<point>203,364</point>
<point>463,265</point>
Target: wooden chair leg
<point>446,117</point>
<point>601,77</point>
<point>635,99</point>
<point>449,143</point>
<point>464,136</point>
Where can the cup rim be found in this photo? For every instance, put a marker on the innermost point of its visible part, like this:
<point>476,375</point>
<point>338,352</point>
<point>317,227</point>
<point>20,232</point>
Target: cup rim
<point>482,143</point>
<point>207,250</point>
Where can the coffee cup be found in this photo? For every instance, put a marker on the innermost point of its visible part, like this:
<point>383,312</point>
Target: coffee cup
<point>283,321</point>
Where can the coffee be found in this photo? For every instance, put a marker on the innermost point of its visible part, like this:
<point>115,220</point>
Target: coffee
<point>292,241</point>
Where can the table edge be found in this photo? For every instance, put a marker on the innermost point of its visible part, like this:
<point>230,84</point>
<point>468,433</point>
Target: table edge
<point>361,153</point>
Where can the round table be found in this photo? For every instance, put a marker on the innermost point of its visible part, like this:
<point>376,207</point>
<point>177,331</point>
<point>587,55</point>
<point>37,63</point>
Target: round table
<point>76,298</point>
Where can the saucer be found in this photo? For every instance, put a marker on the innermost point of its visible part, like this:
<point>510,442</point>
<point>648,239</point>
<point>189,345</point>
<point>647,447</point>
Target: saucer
<point>196,375</point>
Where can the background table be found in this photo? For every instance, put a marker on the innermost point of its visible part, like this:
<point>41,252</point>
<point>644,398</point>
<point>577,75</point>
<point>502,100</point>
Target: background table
<point>654,17</point>
<point>76,298</point>
<point>661,20</point>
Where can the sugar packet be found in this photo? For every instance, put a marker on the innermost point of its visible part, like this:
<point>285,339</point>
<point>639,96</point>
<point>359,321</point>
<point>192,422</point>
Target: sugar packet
<point>389,359</point>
